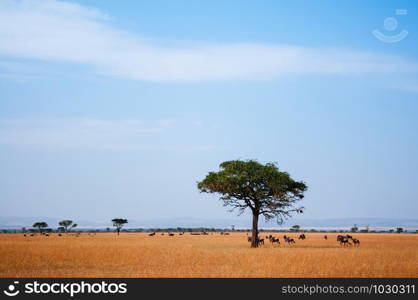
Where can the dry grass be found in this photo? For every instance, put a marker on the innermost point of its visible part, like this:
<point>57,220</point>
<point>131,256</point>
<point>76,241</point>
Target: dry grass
<point>138,255</point>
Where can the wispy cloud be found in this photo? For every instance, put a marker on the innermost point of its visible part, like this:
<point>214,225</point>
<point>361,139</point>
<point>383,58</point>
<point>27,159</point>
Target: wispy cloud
<point>80,133</point>
<point>96,134</point>
<point>58,31</point>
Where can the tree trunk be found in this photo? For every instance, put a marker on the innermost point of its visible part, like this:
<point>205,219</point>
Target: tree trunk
<point>118,230</point>
<point>254,238</point>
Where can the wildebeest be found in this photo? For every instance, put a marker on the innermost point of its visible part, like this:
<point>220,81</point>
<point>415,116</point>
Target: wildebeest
<point>302,236</point>
<point>325,237</point>
<point>260,240</point>
<point>151,234</point>
<point>59,234</point>
<point>274,240</point>
<point>289,240</point>
<point>171,234</point>
<point>356,242</point>
<point>343,240</point>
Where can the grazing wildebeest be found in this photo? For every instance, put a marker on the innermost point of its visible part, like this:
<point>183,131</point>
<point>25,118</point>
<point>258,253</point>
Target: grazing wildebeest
<point>302,236</point>
<point>289,240</point>
<point>171,234</point>
<point>274,240</point>
<point>59,234</point>
<point>24,235</point>
<point>343,240</point>
<point>32,234</point>
<point>325,237</point>
<point>151,234</point>
<point>356,242</point>
<point>260,240</point>
<point>46,234</point>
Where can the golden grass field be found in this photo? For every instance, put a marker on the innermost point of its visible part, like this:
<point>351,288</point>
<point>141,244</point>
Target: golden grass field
<point>138,255</point>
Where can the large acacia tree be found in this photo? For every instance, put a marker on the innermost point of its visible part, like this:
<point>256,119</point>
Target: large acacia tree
<point>261,188</point>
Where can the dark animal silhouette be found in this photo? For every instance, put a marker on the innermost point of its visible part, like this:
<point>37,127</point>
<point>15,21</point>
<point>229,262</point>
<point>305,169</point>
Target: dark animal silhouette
<point>274,240</point>
<point>289,240</point>
<point>302,236</point>
<point>151,234</point>
<point>343,240</point>
<point>260,240</point>
<point>325,237</point>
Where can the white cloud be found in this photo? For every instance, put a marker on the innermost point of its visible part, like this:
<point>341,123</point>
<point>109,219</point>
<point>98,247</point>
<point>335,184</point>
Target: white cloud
<point>57,31</point>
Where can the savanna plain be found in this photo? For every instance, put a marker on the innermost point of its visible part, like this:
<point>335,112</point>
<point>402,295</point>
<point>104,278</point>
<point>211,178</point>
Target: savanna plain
<point>213,255</point>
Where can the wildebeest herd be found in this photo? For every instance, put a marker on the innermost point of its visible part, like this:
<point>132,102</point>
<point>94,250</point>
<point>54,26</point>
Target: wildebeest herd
<point>344,240</point>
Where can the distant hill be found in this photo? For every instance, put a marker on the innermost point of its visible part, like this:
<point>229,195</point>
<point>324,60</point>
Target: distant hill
<point>242,222</point>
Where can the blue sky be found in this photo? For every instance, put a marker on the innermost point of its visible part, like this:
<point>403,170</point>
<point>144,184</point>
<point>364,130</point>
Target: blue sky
<point>112,108</point>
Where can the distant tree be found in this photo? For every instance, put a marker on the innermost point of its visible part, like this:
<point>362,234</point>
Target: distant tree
<point>354,228</point>
<point>399,230</point>
<point>24,229</point>
<point>295,228</point>
<point>67,225</point>
<point>40,225</point>
<point>118,223</point>
<point>391,230</point>
<point>261,188</point>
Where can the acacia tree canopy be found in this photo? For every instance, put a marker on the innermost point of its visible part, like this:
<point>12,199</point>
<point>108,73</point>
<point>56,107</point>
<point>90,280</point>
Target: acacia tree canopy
<point>67,225</point>
<point>262,188</point>
<point>118,223</point>
<point>40,226</point>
